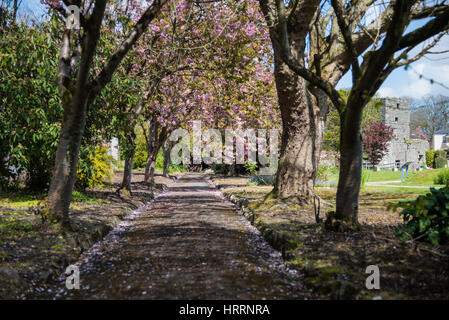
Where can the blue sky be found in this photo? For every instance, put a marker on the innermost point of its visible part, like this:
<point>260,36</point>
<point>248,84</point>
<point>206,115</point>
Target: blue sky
<point>401,83</point>
<point>407,83</point>
<point>32,8</point>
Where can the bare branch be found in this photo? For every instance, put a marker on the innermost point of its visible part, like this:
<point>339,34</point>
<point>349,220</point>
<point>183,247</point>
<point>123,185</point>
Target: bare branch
<point>344,29</point>
<point>427,12</point>
<point>383,55</point>
<point>438,24</point>
<point>423,52</point>
<point>90,42</point>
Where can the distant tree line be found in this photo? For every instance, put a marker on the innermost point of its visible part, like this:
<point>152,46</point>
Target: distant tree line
<point>430,114</point>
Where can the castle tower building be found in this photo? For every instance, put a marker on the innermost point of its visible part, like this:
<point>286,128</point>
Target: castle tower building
<point>396,114</point>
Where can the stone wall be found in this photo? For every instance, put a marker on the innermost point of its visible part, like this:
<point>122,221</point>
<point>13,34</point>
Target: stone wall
<point>417,151</point>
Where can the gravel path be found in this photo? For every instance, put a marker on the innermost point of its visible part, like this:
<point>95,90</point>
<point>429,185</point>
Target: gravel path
<point>189,243</point>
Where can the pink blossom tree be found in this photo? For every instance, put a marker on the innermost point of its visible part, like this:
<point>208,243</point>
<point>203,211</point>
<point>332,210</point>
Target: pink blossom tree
<point>79,84</point>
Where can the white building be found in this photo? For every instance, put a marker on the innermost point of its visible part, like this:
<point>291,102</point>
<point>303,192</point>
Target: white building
<point>441,140</point>
<point>114,149</point>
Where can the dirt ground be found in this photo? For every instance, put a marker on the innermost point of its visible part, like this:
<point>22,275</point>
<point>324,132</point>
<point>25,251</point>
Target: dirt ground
<point>34,253</point>
<point>334,264</point>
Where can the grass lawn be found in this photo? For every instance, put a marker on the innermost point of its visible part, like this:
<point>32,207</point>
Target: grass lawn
<point>383,175</point>
<point>373,176</point>
<point>423,178</point>
<point>19,199</point>
<point>25,200</point>
<point>394,190</point>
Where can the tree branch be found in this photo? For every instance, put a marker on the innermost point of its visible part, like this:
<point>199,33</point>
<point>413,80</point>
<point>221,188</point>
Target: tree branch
<point>64,69</point>
<point>90,42</point>
<point>106,74</point>
<point>381,57</point>
<point>344,29</point>
<point>438,24</point>
<point>422,53</point>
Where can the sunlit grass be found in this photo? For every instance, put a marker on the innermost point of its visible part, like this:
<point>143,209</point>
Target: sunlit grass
<point>395,190</point>
<point>420,178</point>
<point>21,200</point>
<point>383,175</point>
<point>423,178</point>
<point>18,200</point>
<point>372,176</point>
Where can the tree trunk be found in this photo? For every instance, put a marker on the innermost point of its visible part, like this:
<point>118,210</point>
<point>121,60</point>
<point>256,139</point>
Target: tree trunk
<point>231,171</point>
<point>303,112</point>
<point>302,131</point>
<point>15,8</point>
<point>128,169</point>
<point>153,164</point>
<point>127,173</point>
<point>167,148</point>
<point>66,161</point>
<point>150,167</point>
<point>147,168</point>
<point>75,103</point>
<point>149,143</point>
<point>351,149</point>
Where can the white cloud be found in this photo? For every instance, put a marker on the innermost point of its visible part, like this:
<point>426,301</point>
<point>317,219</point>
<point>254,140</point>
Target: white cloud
<point>386,92</point>
<point>407,83</point>
<point>417,87</point>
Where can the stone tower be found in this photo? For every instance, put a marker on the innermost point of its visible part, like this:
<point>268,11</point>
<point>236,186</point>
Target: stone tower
<point>396,113</point>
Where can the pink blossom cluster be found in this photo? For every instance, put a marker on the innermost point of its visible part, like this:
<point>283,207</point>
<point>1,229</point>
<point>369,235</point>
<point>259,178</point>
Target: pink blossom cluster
<point>329,158</point>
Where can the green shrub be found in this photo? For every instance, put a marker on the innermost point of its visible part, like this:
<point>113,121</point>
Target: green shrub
<point>30,108</point>
<point>176,168</point>
<point>442,177</point>
<point>251,168</point>
<point>96,167</point>
<point>324,172</point>
<point>140,155</point>
<point>440,163</point>
<point>426,218</point>
<point>226,169</point>
<point>140,159</point>
<point>440,159</point>
<point>430,158</point>
<point>159,165</point>
<point>441,154</point>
